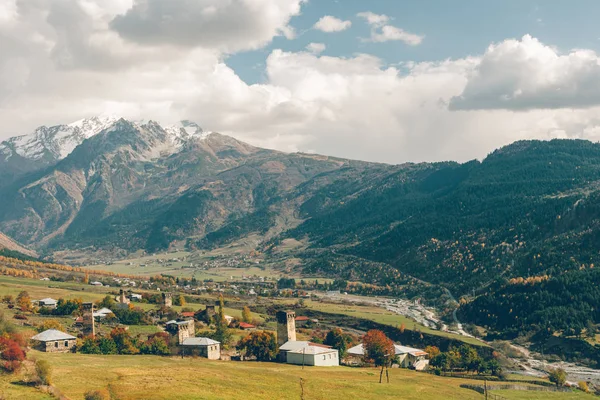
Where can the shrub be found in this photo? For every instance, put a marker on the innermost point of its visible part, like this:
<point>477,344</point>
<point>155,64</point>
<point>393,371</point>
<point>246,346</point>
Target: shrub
<point>44,372</point>
<point>95,395</point>
<point>583,386</point>
<point>20,316</point>
<point>557,376</point>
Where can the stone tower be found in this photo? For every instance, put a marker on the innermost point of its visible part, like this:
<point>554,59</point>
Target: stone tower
<point>286,327</point>
<point>167,299</point>
<point>89,326</point>
<point>122,297</point>
<point>185,329</point>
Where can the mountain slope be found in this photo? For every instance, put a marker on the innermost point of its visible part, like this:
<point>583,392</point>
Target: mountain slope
<point>7,243</point>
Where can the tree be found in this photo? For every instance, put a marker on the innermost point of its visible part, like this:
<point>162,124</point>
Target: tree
<point>107,302</point>
<point>125,343</point>
<point>222,333</point>
<point>379,349</point>
<point>107,346</point>
<point>259,344</point>
<point>432,351</point>
<point>557,376</point>
<point>583,386</point>
<point>590,330</point>
<point>246,315</point>
<point>338,340</point>
<point>51,324</point>
<point>43,371</point>
<point>179,300</point>
<point>24,301</point>
<point>89,346</point>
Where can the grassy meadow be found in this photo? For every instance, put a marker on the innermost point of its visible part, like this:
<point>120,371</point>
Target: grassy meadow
<point>150,377</point>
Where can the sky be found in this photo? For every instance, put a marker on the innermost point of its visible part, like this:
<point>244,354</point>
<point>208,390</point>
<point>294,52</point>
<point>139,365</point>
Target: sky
<point>381,80</point>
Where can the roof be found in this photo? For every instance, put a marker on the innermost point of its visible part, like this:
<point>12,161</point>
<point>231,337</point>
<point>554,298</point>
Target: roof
<point>359,351</point>
<point>51,335</point>
<point>188,314</point>
<point>313,350</point>
<point>198,341</point>
<point>294,345</point>
<point>247,326</point>
<point>48,300</point>
<point>103,311</point>
<point>301,318</point>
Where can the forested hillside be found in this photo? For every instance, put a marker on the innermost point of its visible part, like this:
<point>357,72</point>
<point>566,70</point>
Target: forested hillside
<point>523,223</point>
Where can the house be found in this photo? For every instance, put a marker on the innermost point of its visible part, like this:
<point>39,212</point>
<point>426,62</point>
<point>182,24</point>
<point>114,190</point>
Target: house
<point>201,346</point>
<point>406,357</point>
<point>314,356</point>
<point>302,320</point>
<point>295,345</point>
<point>300,352</point>
<point>229,319</point>
<point>188,314</point>
<point>245,326</point>
<point>135,297</point>
<point>102,313</point>
<point>47,302</point>
<point>96,283</point>
<point>54,341</point>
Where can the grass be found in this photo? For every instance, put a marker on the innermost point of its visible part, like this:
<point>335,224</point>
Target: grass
<point>382,316</point>
<point>148,377</point>
<point>527,395</point>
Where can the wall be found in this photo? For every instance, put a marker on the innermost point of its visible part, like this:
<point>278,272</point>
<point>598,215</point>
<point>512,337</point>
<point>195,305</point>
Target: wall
<point>331,359</point>
<point>51,347</point>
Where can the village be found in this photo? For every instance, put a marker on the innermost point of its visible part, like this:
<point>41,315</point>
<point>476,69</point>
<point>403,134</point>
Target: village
<point>182,333</point>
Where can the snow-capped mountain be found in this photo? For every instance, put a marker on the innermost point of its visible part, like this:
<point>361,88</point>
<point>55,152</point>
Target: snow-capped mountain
<point>57,142</point>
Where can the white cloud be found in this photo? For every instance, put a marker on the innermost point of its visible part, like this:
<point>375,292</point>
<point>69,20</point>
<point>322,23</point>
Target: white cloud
<point>316,48</point>
<point>374,19</point>
<point>382,32</point>
<point>526,74</point>
<point>59,64</point>
<point>229,25</point>
<point>332,24</point>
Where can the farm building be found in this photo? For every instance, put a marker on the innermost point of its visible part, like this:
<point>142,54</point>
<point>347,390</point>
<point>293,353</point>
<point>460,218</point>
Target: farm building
<point>406,357</point>
<point>54,341</point>
<point>301,320</point>
<point>307,353</point>
<point>203,347</point>
<point>47,302</point>
<point>245,326</point>
<point>102,313</point>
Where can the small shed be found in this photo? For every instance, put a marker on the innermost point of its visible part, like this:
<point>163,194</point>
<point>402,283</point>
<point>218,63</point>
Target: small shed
<point>204,347</point>
<point>54,341</point>
<point>102,313</point>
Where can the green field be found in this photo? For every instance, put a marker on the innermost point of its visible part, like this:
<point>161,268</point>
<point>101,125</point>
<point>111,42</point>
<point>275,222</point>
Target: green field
<point>526,395</point>
<point>147,377</point>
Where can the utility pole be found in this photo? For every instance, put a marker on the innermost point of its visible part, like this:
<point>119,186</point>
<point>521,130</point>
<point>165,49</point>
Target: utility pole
<point>485,390</point>
<point>303,352</point>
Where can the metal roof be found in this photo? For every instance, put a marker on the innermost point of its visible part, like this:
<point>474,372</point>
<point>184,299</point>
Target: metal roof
<point>313,350</point>
<point>48,300</point>
<point>198,341</point>
<point>294,345</point>
<point>51,335</point>
<point>359,351</point>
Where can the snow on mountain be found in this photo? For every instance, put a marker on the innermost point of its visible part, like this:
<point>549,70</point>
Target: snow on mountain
<point>57,142</point>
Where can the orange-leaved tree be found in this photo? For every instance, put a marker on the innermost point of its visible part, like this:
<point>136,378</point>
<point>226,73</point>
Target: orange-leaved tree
<point>379,349</point>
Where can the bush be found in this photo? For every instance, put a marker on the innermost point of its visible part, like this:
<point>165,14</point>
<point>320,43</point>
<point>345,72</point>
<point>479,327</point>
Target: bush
<point>95,395</point>
<point>583,386</point>
<point>20,316</point>
<point>44,372</point>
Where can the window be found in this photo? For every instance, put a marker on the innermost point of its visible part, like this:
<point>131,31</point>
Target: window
<point>324,357</point>
<point>66,343</point>
<point>56,344</point>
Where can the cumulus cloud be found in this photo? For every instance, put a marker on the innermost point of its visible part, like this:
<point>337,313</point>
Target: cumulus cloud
<point>316,48</point>
<point>229,25</point>
<point>526,74</point>
<point>58,65</point>
<point>332,24</point>
<point>382,32</point>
